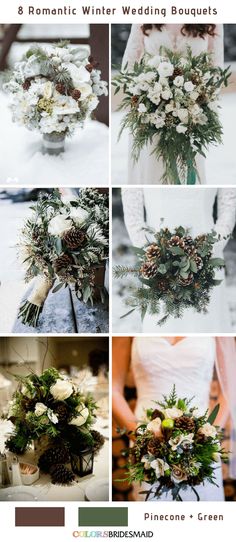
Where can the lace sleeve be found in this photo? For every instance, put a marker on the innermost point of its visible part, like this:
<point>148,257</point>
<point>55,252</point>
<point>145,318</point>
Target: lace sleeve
<point>135,46</point>
<point>226,210</point>
<point>133,206</point>
<point>216,45</point>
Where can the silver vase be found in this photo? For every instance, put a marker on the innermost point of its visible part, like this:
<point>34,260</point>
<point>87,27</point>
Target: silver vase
<point>54,143</point>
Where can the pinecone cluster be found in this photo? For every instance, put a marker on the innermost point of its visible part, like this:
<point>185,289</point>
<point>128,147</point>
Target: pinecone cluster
<point>176,241</point>
<point>162,285</point>
<point>75,94</point>
<point>202,99</point>
<point>62,262</point>
<point>198,262</point>
<point>156,446</point>
<point>152,251</point>
<point>99,441</point>
<point>92,64</point>
<point>61,475</point>
<point>148,270</point>
<point>185,424</point>
<point>61,410</point>
<point>61,88</point>
<point>74,238</point>
<point>53,456</point>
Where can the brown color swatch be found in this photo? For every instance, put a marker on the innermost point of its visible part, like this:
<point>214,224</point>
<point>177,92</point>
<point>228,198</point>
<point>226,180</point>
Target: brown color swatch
<point>39,517</point>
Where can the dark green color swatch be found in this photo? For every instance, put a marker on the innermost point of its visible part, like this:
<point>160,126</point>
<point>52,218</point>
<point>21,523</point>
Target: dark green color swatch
<point>103,517</point>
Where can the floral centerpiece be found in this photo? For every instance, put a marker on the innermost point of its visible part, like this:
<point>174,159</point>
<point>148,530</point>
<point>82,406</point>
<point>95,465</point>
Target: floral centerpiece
<point>176,270</point>
<point>173,103</point>
<point>175,448</point>
<point>51,408</point>
<point>54,89</point>
<point>64,243</point>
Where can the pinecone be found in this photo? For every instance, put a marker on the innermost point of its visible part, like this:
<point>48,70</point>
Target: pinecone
<point>61,410</point>
<point>198,262</point>
<point>185,423</point>
<point>176,241</point>
<point>62,262</point>
<point>75,94</point>
<point>93,61</point>
<point>148,270</point>
<point>157,414</point>
<point>187,281</point>
<point>191,251</point>
<point>195,480</point>
<point>200,438</point>
<point>89,67</point>
<point>177,71</point>
<point>152,251</point>
<point>26,85</point>
<point>134,101</point>
<point>156,446</point>
<point>162,285</point>
<point>201,99</point>
<point>61,475</point>
<point>53,456</point>
<point>60,88</point>
<point>188,240</point>
<point>195,78</point>
<point>99,441</point>
<point>74,238</point>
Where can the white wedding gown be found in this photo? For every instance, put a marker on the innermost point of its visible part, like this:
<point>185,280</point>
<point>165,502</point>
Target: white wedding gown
<point>192,209</point>
<point>157,365</point>
<point>147,170</point>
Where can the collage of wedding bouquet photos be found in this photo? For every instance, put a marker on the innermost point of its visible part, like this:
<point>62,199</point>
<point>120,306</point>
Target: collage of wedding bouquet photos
<point>118,262</point>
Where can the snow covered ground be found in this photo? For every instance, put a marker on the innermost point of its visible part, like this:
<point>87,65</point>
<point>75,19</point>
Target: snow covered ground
<point>221,160</point>
<point>84,162</point>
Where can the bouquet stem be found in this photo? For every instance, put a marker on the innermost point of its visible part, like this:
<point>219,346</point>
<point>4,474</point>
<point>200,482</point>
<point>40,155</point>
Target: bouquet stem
<point>54,143</point>
<point>31,309</point>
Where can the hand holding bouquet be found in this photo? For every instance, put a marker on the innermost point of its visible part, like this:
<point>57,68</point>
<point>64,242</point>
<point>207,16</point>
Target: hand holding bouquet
<point>175,448</point>
<point>173,103</point>
<point>176,270</point>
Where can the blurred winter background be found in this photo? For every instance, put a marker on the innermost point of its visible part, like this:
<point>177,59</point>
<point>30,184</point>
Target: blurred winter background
<point>221,160</point>
<point>85,161</point>
<point>123,255</point>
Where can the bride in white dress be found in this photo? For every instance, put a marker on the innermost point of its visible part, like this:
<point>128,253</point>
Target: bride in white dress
<point>192,209</point>
<point>176,37</point>
<point>157,363</point>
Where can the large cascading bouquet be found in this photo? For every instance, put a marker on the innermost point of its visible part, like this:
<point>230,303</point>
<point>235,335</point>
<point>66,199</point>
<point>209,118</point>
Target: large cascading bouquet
<point>177,272</point>
<point>173,103</point>
<point>54,89</point>
<point>175,449</point>
<point>52,408</point>
<point>64,243</point>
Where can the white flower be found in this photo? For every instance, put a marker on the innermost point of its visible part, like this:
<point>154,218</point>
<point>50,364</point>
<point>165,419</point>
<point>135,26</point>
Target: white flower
<point>183,114</point>
<point>208,430</point>
<point>82,416</point>
<point>165,69</point>
<point>206,76</point>
<point>172,413</point>
<point>166,94</point>
<point>194,95</point>
<point>78,75</point>
<point>216,457</point>
<point>52,417</point>
<point>61,390</point>
<point>146,460</point>
<point>189,86</point>
<point>48,90</point>
<point>58,225</point>
<point>181,440</point>
<point>195,110</point>
<point>154,97</point>
<point>178,81</point>
<point>134,89</point>
<point>178,475</point>
<point>169,107</point>
<point>183,62</point>
<point>85,90</point>
<point>154,61</point>
<point>40,409</point>
<point>159,466</point>
<point>213,106</point>
<point>142,108</point>
<point>181,129</point>
<point>155,427</point>
<point>79,215</point>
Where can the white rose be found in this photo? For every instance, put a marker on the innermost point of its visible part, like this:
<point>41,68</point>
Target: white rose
<point>181,129</point>
<point>40,409</point>
<point>165,69</point>
<point>154,61</point>
<point>166,94</point>
<point>82,416</point>
<point>154,97</point>
<point>142,108</point>
<point>47,90</point>
<point>208,430</point>
<point>172,413</point>
<point>183,114</point>
<point>78,75</point>
<point>79,215</point>
<point>178,475</point>
<point>155,427</point>
<point>160,467</point>
<point>189,86</point>
<point>61,390</point>
<point>58,225</point>
<point>180,440</point>
<point>169,107</point>
<point>194,95</point>
<point>85,90</point>
<point>178,81</point>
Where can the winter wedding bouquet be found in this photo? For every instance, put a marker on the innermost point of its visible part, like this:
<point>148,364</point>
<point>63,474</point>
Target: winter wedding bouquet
<point>176,270</point>
<point>175,449</point>
<point>54,89</point>
<point>177,99</point>
<point>64,243</point>
<point>51,408</point>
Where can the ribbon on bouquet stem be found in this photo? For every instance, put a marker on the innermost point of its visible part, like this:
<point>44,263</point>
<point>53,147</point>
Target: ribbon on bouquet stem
<point>30,310</point>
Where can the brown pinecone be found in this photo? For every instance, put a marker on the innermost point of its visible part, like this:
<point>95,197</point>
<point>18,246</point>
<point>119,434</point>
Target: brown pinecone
<point>92,61</point>
<point>195,78</point>
<point>177,71</point>
<point>188,240</point>
<point>187,281</point>
<point>162,285</point>
<point>53,456</point>
<point>176,241</point>
<point>89,67</point>
<point>195,480</point>
<point>74,238</point>
<point>62,262</point>
<point>157,414</point>
<point>60,88</point>
<point>61,475</point>
<point>200,438</point>
<point>198,262</point>
<point>191,251</point>
<point>61,410</point>
<point>134,101</point>
<point>148,270</point>
<point>185,423</point>
<point>26,85</point>
<point>201,99</point>
<point>75,94</point>
<point>152,251</point>
<point>99,440</point>
<point>156,446</point>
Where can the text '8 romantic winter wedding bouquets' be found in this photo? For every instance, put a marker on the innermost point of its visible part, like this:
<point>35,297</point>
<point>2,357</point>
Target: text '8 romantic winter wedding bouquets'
<point>173,103</point>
